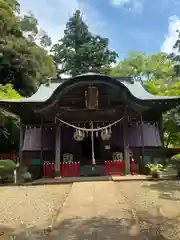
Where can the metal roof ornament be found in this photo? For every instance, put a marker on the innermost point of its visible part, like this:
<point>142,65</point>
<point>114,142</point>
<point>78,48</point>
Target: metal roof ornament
<point>48,82</point>
<point>138,78</point>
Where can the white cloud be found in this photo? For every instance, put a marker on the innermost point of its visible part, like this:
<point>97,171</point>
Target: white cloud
<point>120,2</point>
<point>130,5</point>
<point>171,37</point>
<point>53,15</point>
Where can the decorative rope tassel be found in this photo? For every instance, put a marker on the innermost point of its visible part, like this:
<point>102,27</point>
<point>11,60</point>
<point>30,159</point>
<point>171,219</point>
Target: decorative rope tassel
<point>93,161</point>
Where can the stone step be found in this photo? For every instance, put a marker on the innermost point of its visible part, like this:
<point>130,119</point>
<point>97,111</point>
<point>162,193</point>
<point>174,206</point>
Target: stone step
<point>88,170</point>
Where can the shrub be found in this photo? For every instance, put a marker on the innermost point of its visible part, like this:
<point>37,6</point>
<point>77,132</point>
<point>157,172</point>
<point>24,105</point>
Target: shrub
<point>175,161</point>
<point>6,167</point>
<point>27,176</point>
<point>155,167</point>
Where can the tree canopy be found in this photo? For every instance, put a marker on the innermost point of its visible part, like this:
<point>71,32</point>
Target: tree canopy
<point>79,51</point>
<point>9,123</point>
<point>158,76</point>
<point>23,63</point>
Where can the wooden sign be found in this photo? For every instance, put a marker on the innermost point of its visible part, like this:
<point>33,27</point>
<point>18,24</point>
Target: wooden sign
<point>91,98</point>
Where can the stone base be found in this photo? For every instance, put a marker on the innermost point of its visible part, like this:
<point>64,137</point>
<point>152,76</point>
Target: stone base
<point>57,174</point>
<point>127,168</point>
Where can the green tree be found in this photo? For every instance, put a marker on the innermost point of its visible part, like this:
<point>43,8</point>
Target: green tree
<point>172,117</point>
<point>133,65</point>
<point>14,5</point>
<point>32,31</point>
<point>157,67</point>
<point>159,78</point>
<point>23,63</point>
<point>79,51</point>
<point>9,123</point>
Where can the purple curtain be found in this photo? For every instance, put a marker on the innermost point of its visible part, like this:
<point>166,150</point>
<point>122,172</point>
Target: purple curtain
<point>32,139</point>
<point>150,134</point>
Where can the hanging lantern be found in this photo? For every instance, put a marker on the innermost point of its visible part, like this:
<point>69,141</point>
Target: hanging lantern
<point>105,135</point>
<point>78,135</point>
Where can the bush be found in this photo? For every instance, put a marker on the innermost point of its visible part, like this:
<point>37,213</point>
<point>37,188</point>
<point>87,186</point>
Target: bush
<point>9,178</point>
<point>6,167</point>
<point>175,161</point>
<point>27,177</point>
<point>155,167</point>
<point>176,157</point>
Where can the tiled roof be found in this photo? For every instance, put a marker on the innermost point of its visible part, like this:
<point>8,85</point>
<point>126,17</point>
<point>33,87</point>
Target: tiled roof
<point>46,91</point>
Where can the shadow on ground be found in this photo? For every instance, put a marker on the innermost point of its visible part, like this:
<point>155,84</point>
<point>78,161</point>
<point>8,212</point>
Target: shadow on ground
<point>169,190</point>
<point>101,228</point>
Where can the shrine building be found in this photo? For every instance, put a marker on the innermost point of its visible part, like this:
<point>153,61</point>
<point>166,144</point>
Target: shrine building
<point>91,119</point>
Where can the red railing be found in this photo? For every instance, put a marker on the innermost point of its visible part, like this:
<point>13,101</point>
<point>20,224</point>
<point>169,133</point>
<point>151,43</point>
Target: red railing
<point>70,169</point>
<point>73,169</point>
<point>49,170</point>
<point>114,168</point>
<point>133,167</point>
<point>13,156</point>
<point>118,167</point>
<point>66,169</point>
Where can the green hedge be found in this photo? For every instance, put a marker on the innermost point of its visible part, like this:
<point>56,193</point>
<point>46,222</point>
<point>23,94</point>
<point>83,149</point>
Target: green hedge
<point>176,157</point>
<point>6,166</point>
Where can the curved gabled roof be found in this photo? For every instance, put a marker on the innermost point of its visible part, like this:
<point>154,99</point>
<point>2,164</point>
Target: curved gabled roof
<point>134,91</point>
<point>46,91</point>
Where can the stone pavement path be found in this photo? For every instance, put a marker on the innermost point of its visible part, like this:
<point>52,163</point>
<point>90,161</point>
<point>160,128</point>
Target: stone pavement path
<point>96,211</point>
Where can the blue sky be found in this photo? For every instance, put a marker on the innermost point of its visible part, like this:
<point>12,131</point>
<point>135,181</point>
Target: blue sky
<point>145,25</point>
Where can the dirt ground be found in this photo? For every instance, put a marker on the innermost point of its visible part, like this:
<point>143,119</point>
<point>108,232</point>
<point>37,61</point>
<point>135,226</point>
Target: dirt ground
<point>93,211</point>
<point>29,207</point>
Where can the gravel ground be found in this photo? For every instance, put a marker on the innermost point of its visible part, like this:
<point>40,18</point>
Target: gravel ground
<point>156,207</point>
<point>33,207</point>
<point>130,210</point>
<point>120,210</point>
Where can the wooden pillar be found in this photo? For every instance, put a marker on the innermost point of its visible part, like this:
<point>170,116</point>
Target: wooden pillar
<point>58,150</point>
<point>142,140</point>
<point>21,138</point>
<point>41,150</point>
<point>126,145</point>
<point>92,146</point>
<point>161,129</point>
